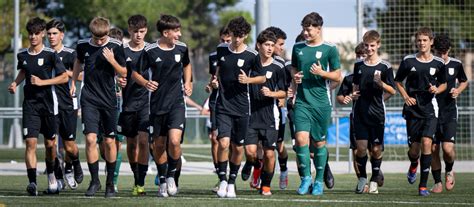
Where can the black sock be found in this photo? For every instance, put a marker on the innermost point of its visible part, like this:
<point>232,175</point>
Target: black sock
<point>216,167</point>
<point>177,174</point>
<point>58,172</point>
<point>162,168</point>
<point>68,167</point>
<point>222,171</point>
<point>449,166</point>
<point>234,170</point>
<point>134,168</point>
<point>376,163</point>
<point>361,163</point>
<point>436,175</point>
<point>94,171</point>
<point>172,163</point>
<point>425,169</point>
<point>283,161</point>
<point>49,166</point>
<point>266,178</point>
<point>110,172</point>
<point>142,169</point>
<point>413,161</point>
<point>31,175</point>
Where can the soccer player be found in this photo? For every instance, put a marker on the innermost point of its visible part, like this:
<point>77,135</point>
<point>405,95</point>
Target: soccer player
<point>447,119</point>
<point>235,62</point>
<point>67,114</point>
<point>41,68</point>
<point>170,80</point>
<point>102,57</point>
<point>315,62</point>
<point>425,76</point>
<point>224,37</point>
<point>133,120</point>
<point>373,81</point>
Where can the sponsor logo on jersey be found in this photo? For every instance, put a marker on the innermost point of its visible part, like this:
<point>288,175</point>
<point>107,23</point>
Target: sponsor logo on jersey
<point>432,71</point>
<point>451,71</point>
<point>319,54</point>
<point>300,53</point>
<point>40,61</point>
<point>87,54</point>
<point>158,59</point>
<point>25,131</point>
<point>24,62</point>
<point>215,63</point>
<point>177,57</point>
<point>269,74</point>
<point>119,128</point>
<point>240,62</point>
<point>129,59</point>
<point>61,58</point>
<point>413,69</point>
<point>222,59</point>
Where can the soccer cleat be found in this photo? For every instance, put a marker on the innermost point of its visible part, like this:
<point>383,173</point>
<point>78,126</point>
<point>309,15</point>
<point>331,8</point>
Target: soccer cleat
<point>171,186</point>
<point>135,190</point>
<point>380,179</point>
<point>157,180</point>
<point>140,190</point>
<point>361,185</point>
<point>222,191</point>
<point>328,177</point>
<point>231,191</point>
<point>78,174</point>
<point>110,191</point>
<point>71,182</point>
<point>266,191</point>
<point>61,184</point>
<point>163,192</point>
<point>411,176</point>
<point>216,187</point>
<point>423,191</point>
<point>449,180</point>
<point>318,188</point>
<point>246,170</point>
<point>93,188</point>
<point>283,179</point>
<point>304,186</point>
<point>373,187</point>
<point>255,182</point>
<point>31,189</point>
<point>437,188</point>
<point>52,183</point>
<point>115,188</point>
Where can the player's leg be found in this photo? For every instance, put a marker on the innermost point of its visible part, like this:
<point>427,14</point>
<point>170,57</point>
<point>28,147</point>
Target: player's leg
<point>90,120</point>
<point>214,147</point>
<point>436,161</point>
<point>250,153</point>
<point>239,132</point>
<point>59,163</point>
<point>302,129</point>
<point>109,120</point>
<point>224,126</point>
<point>49,130</point>
<point>361,160</point>
<point>449,153</point>
<point>257,167</point>
<point>159,132</point>
<point>376,147</point>
<point>176,122</point>
<point>143,149</point>
<point>126,126</point>
<point>425,159</point>
<point>318,132</point>
<point>281,150</point>
<point>414,139</point>
<point>269,138</point>
<point>118,161</point>
<point>67,130</point>
<point>31,126</point>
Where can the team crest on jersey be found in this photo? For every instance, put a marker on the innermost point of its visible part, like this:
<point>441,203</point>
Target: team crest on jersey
<point>432,71</point>
<point>319,54</point>
<point>240,62</point>
<point>177,57</point>
<point>269,74</point>
<point>40,61</point>
<point>451,71</point>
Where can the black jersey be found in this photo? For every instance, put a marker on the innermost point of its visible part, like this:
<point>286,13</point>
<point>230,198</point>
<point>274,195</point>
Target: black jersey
<point>287,70</point>
<point>40,100</point>
<point>346,86</point>
<point>233,97</point>
<point>67,56</point>
<point>99,74</point>
<point>264,110</point>
<point>135,96</point>
<point>166,67</point>
<point>370,107</point>
<point>455,71</point>
<point>212,72</point>
<point>419,75</point>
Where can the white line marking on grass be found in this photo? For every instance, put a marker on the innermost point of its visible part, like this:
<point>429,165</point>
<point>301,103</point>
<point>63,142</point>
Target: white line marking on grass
<point>197,155</point>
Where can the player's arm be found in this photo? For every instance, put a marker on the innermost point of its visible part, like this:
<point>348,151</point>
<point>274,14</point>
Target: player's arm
<point>19,78</point>
<point>273,94</point>
<point>187,75</point>
<point>408,100</point>
<point>244,79</point>
<point>335,75</point>
<point>110,57</point>
<point>76,72</point>
<point>456,91</point>
<point>60,79</point>
<point>192,103</point>
<point>344,95</point>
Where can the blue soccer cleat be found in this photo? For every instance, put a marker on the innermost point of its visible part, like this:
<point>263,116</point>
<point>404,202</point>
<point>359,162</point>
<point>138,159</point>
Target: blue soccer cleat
<point>157,180</point>
<point>318,188</point>
<point>423,191</point>
<point>304,186</point>
<point>411,176</point>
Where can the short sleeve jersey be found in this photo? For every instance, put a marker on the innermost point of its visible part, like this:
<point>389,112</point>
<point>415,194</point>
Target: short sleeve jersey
<point>40,100</point>
<point>166,67</point>
<point>135,96</point>
<point>212,71</point>
<point>67,56</point>
<point>419,76</point>
<point>264,110</point>
<point>370,107</point>
<point>455,71</point>
<point>346,86</point>
<point>99,74</point>
<point>286,72</point>
<point>314,90</point>
<point>233,98</point>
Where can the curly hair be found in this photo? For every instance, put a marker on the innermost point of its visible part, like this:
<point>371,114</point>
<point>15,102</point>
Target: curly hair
<point>239,27</point>
<point>442,43</point>
<point>35,25</point>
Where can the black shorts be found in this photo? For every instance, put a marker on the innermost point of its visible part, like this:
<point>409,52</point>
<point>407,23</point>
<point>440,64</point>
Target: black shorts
<point>33,125</point>
<point>161,124</point>
<point>212,117</point>
<point>418,128</point>
<point>131,122</point>
<point>267,136</point>
<point>234,127</point>
<point>291,118</point>
<point>67,123</point>
<point>372,133</point>
<point>281,128</point>
<point>352,136</point>
<point>94,119</point>
<point>446,132</point>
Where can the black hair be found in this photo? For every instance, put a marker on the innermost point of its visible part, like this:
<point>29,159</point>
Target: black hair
<point>35,25</point>
<point>266,35</point>
<point>58,24</point>
<point>280,34</point>
<point>312,19</point>
<point>239,27</point>
<point>300,37</point>
<point>167,22</point>
<point>442,43</point>
<point>116,33</point>
<point>224,31</point>
<point>137,21</point>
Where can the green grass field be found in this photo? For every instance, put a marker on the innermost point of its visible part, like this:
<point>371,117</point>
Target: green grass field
<point>195,191</point>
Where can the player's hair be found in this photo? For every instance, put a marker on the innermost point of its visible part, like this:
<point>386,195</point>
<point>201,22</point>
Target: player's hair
<point>442,43</point>
<point>280,34</point>
<point>35,25</point>
<point>360,49</point>
<point>116,33</point>
<point>371,36</point>
<point>167,22</point>
<point>224,31</point>
<point>300,37</point>
<point>312,19</point>
<point>424,31</point>
<point>266,35</point>
<point>239,27</point>
<point>137,21</point>
<point>99,26</point>
<point>55,23</point>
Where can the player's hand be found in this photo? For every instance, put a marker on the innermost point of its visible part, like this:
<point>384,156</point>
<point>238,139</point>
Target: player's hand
<point>409,101</point>
<point>454,92</point>
<point>12,88</point>
<point>347,99</point>
<point>266,91</point>
<point>188,88</point>
<point>281,103</point>
<point>151,86</point>
<point>72,90</point>
<point>108,54</point>
<point>378,79</point>
<point>122,82</point>
<point>316,69</point>
<point>433,89</point>
<point>289,93</point>
<point>214,82</point>
<point>355,95</point>
<point>298,77</point>
<point>35,80</point>
<point>243,78</point>
<point>208,88</point>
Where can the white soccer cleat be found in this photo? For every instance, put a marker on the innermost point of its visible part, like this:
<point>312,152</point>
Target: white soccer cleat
<point>71,182</point>
<point>171,185</point>
<point>222,191</point>
<point>283,179</point>
<point>373,187</point>
<point>52,183</point>
<point>163,192</point>
<point>231,191</point>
